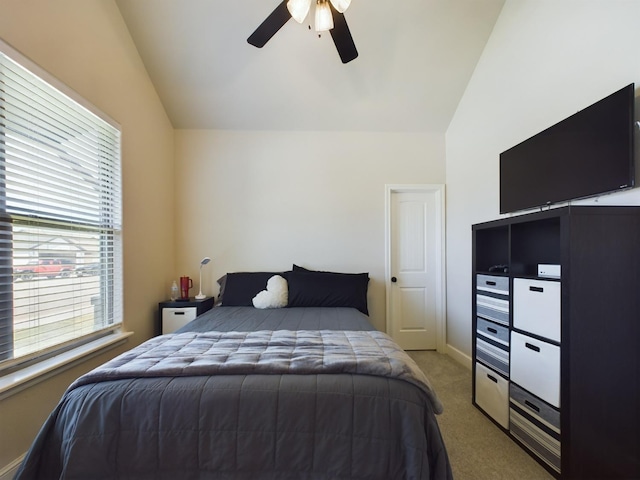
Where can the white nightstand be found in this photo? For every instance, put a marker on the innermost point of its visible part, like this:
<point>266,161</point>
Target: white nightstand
<point>174,315</point>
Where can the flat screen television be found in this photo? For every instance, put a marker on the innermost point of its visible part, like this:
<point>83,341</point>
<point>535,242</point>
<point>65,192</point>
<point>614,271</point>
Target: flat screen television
<point>587,154</point>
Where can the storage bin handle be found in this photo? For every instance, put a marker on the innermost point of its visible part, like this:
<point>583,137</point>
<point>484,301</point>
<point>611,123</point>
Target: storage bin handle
<point>536,289</point>
<point>532,406</point>
<point>492,330</point>
<point>532,347</point>
<point>490,282</point>
<point>492,378</point>
<point>178,313</point>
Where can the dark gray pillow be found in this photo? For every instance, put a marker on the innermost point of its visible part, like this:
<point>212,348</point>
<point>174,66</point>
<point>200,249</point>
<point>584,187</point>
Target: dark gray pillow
<point>222,281</point>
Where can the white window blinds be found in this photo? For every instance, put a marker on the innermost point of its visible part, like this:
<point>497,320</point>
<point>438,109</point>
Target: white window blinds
<point>60,216</point>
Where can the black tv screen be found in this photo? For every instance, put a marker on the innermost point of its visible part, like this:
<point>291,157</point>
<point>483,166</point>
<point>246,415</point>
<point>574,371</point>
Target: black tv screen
<point>587,154</point>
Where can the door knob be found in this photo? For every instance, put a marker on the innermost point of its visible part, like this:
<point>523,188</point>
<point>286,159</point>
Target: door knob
<point>394,279</point>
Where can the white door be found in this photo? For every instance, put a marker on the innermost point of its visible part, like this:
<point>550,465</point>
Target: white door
<point>415,266</point>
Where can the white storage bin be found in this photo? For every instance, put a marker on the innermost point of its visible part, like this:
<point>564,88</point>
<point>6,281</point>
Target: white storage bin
<point>535,366</point>
<point>175,318</point>
<point>492,394</point>
<point>536,307</point>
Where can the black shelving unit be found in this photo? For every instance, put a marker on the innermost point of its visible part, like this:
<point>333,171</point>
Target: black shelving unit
<point>583,420</point>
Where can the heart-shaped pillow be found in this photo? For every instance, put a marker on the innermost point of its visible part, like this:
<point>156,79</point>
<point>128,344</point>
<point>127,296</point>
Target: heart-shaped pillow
<point>275,296</point>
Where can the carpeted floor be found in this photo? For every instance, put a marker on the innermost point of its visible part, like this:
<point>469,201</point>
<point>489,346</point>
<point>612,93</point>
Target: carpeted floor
<point>478,450</point>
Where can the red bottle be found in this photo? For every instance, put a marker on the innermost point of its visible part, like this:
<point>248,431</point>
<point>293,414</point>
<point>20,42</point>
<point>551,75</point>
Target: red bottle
<point>185,284</point>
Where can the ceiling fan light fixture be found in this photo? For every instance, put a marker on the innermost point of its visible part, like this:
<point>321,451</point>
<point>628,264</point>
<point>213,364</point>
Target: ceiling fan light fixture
<point>324,17</point>
<point>299,9</point>
<point>341,5</point>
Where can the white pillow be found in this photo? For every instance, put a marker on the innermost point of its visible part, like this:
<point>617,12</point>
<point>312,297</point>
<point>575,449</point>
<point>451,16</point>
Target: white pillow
<point>275,296</point>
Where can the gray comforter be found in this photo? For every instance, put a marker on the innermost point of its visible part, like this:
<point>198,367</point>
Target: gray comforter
<point>247,405</point>
<point>266,352</point>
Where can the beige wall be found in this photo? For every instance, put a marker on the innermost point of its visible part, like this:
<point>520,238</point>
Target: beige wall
<point>265,200</point>
<point>545,60</point>
<point>85,44</point>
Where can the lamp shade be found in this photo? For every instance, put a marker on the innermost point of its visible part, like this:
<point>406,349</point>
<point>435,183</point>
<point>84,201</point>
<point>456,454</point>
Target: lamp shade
<point>324,17</point>
<point>299,9</point>
<point>341,5</point>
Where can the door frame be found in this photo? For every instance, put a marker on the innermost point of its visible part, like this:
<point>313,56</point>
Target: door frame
<point>441,306</point>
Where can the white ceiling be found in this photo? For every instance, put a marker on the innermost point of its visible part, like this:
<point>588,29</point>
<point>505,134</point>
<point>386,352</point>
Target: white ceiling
<point>415,59</point>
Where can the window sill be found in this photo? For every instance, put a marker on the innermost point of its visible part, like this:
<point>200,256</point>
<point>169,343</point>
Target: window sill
<point>24,378</point>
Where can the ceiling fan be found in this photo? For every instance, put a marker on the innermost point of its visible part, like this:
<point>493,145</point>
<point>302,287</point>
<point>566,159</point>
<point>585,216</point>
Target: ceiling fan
<point>328,17</point>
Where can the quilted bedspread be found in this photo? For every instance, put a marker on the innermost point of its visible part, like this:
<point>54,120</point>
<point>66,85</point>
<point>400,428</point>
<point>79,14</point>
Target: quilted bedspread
<point>247,405</point>
<point>266,352</point>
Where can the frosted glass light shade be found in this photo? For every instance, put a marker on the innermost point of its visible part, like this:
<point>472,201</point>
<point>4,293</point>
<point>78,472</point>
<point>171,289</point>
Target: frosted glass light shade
<point>324,17</point>
<point>299,9</point>
<point>341,5</point>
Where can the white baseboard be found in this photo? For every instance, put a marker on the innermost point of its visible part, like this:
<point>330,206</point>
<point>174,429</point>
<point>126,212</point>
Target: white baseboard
<point>9,471</point>
<point>458,356</point>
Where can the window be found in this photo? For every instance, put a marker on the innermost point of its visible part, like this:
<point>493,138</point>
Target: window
<point>60,216</point>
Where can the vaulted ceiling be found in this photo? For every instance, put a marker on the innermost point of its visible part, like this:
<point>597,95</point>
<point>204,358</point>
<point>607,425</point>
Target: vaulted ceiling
<point>415,59</point>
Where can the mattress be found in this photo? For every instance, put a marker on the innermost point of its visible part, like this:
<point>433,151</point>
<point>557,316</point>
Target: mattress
<point>249,319</point>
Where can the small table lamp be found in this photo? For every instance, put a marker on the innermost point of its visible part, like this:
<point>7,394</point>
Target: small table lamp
<point>204,261</point>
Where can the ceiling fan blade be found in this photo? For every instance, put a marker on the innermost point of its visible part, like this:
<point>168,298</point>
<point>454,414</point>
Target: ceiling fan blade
<point>270,26</point>
<point>342,37</point>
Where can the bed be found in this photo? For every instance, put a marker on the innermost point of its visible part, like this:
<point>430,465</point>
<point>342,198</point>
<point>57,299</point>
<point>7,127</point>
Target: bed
<point>303,392</point>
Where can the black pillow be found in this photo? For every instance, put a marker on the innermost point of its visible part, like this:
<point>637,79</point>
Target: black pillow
<point>297,268</point>
<point>328,289</point>
<point>241,287</point>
